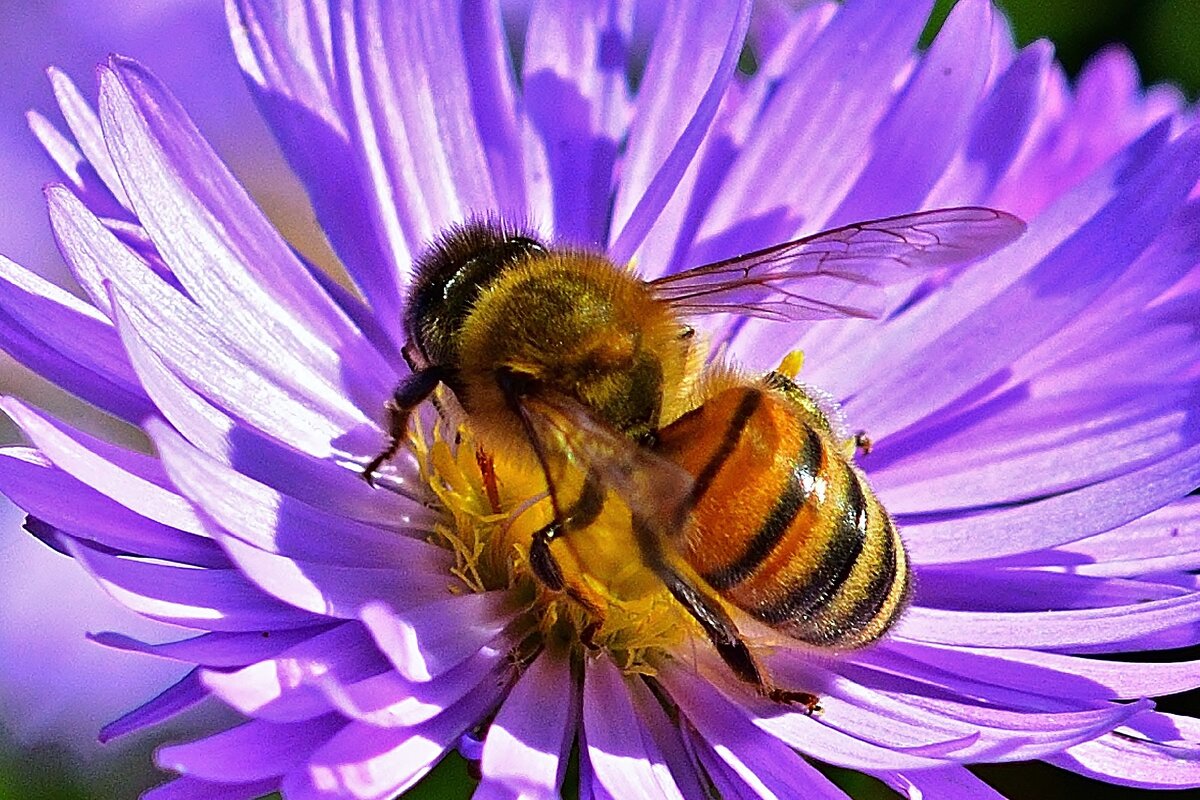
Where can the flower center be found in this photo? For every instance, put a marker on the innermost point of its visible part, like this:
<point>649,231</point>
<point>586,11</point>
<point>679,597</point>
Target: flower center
<point>491,511</point>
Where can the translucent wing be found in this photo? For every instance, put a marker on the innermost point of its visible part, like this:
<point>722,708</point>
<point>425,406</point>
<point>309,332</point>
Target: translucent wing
<point>656,490</point>
<point>815,277</point>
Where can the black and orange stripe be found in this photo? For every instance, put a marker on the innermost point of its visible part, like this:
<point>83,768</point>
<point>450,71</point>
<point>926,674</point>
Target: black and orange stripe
<point>782,524</point>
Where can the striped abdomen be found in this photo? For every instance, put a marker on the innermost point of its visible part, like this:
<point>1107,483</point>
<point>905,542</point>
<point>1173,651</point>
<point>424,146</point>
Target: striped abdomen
<point>783,525</point>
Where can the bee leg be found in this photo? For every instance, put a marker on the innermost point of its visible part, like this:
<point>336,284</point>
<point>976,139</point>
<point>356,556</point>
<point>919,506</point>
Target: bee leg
<point>545,566</point>
<point>407,396</point>
<point>547,570</point>
<point>863,443</point>
<point>727,640</point>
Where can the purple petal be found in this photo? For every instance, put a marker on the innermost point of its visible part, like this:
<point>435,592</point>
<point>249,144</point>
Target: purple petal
<point>1043,446</point>
<point>1003,123</point>
<point>918,137</point>
<point>745,762</point>
<point>696,698</point>
<point>986,340</point>
<point>261,382</point>
<point>1161,541</point>
<point>364,762</point>
<point>233,442</point>
<point>57,499</point>
<point>527,745</point>
<point>67,324</point>
<point>214,599</point>
<point>1055,520</point>
<point>391,701</point>
<point>192,789</point>
<point>333,590</point>
<point>277,523</point>
<point>412,123</point>
<point>424,641</point>
<point>1048,629</point>
<point>286,687</point>
<point>761,202</point>
<point>668,738</point>
<point>968,588</point>
<point>1062,675</point>
<point>212,649</point>
<point>694,56</point>
<point>624,758</point>
<point>85,127</point>
<point>577,100</point>
<point>671,237</point>
<point>73,166</point>
<point>503,128</point>
<point>131,479</point>
<point>179,697</point>
<point>1132,761</point>
<point>249,752</point>
<point>226,253</point>
<point>955,782</point>
<point>895,711</point>
<point>288,62</point>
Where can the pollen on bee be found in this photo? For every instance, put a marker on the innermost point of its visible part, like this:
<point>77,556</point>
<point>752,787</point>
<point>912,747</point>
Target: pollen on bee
<point>491,510</point>
<point>791,364</point>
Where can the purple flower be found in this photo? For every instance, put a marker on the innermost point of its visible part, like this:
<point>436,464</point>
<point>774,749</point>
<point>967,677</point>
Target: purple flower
<point>50,693</point>
<point>1036,438</point>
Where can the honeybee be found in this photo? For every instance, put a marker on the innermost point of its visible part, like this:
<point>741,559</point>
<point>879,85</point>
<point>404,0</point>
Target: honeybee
<point>558,358</point>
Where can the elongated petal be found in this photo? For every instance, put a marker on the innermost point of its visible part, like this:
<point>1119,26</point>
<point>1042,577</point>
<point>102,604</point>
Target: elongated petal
<point>236,443</point>
<point>673,114</point>
<point>527,745</point>
<point>391,701</point>
<point>425,641</point>
<point>249,752</point>
<point>1108,243</point>
<point>212,649</point>
<point>1053,629</point>
<point>217,600</point>
<point>577,101</point>
<point>1056,519</point>
<point>66,503</point>
<point>832,129</point>
<point>916,140</point>
<point>928,784</point>
<point>368,763</point>
<point>280,524</point>
<point>195,789</point>
<point>131,479</point>
<point>85,127</point>
<point>696,698</point>
<point>285,687</point>
<point>222,248</point>
<point>1133,761</point>
<point>180,696</point>
<point>625,760</point>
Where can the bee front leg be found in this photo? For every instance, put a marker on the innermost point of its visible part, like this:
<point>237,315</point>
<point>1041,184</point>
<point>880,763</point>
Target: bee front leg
<point>407,396</point>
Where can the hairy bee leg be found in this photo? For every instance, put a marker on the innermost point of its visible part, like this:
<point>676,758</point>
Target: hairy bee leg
<point>725,637</point>
<point>863,443</point>
<point>545,566</point>
<point>407,396</point>
<point>547,570</point>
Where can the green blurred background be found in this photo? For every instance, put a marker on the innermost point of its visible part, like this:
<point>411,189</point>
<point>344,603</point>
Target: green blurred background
<point>50,764</point>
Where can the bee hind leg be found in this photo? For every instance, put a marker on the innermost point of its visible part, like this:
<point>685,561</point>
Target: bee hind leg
<point>411,392</point>
<point>729,643</point>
